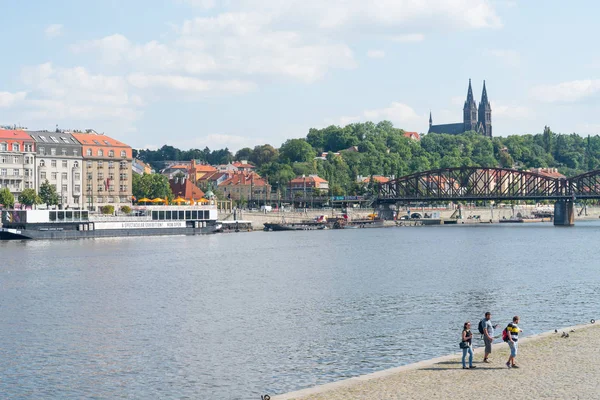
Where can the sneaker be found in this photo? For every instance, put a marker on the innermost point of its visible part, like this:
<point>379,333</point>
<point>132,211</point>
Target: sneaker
<point>473,366</point>
<point>515,366</point>
<point>465,368</point>
<point>508,364</point>
<point>487,361</point>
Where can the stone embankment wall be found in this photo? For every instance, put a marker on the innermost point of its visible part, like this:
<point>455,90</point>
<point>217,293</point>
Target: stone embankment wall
<point>259,219</point>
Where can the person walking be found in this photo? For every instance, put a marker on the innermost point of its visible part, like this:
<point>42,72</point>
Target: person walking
<point>467,337</point>
<point>488,336</point>
<point>513,331</point>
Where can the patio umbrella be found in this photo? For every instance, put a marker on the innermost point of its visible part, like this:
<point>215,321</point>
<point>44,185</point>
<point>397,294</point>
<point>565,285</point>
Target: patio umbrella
<point>203,200</point>
<point>144,200</point>
<point>179,200</point>
<point>158,200</point>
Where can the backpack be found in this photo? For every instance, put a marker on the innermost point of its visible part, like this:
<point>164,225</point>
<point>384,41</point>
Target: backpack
<point>505,334</point>
<point>481,326</point>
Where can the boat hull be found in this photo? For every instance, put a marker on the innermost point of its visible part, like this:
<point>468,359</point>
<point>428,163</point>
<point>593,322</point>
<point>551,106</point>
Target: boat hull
<point>30,234</point>
<point>294,227</point>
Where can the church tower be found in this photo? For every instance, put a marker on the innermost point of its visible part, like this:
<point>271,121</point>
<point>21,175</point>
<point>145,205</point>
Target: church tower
<point>485,113</point>
<point>470,111</point>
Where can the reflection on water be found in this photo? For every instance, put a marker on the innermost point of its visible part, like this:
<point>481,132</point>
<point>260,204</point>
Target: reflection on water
<point>244,314</point>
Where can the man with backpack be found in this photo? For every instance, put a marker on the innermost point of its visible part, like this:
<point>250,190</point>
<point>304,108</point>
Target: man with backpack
<point>486,328</point>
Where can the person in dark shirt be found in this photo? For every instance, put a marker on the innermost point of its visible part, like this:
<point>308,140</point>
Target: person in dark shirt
<point>467,336</point>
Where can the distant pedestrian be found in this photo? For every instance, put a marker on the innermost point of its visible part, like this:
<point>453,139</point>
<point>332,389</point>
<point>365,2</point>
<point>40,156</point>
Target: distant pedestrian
<point>512,331</point>
<point>487,330</point>
<point>467,338</point>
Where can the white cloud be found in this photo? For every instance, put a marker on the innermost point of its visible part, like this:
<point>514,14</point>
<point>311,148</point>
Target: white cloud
<point>408,38</point>
<point>204,4</point>
<point>567,92</point>
<point>8,99</point>
<point>74,93</point>
<point>512,112</point>
<point>188,84</point>
<point>53,30</point>
<point>375,53</point>
<point>400,114</point>
<point>509,58</point>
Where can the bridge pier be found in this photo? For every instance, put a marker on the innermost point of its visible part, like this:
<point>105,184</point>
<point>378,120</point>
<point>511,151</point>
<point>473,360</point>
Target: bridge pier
<point>386,211</point>
<point>564,213</point>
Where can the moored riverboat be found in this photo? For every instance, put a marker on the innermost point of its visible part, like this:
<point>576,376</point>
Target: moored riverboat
<point>295,226</point>
<point>78,224</point>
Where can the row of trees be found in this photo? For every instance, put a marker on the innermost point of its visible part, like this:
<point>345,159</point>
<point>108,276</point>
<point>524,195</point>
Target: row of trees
<point>383,149</point>
<point>29,197</point>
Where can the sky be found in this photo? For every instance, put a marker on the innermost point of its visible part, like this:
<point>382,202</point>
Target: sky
<point>239,73</point>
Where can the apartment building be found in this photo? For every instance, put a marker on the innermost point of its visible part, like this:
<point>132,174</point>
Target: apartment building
<point>58,161</point>
<point>17,160</point>
<point>107,171</point>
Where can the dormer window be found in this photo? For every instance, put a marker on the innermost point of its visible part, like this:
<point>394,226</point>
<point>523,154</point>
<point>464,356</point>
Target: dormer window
<point>53,151</point>
<point>3,147</point>
<point>88,152</point>
<point>123,153</point>
<point>42,163</point>
<point>100,153</point>
<point>111,153</point>
<point>16,147</point>
<point>55,140</point>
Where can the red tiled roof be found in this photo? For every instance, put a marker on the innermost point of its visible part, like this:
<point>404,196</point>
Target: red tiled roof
<point>186,189</point>
<point>412,135</point>
<point>377,178</point>
<point>244,178</point>
<point>240,165</point>
<point>310,178</point>
<point>205,168</point>
<point>14,134</point>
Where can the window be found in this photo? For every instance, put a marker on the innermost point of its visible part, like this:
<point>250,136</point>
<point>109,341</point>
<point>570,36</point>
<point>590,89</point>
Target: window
<point>28,185</point>
<point>88,152</point>
<point>54,174</point>
<point>28,160</point>
<point>3,147</point>
<point>53,163</point>
<point>43,175</point>
<point>123,164</point>
<point>100,153</point>
<point>111,153</point>
<point>123,177</point>
<point>16,160</point>
<point>64,139</point>
<point>123,153</point>
<point>76,164</point>
<point>109,199</point>
<point>89,175</point>
<point>77,189</point>
<point>16,147</point>
<point>55,140</point>
<point>28,172</point>
<point>100,175</point>
<point>111,164</point>
<point>100,188</point>
<point>97,142</point>
<point>44,139</point>
<point>75,152</point>
<point>89,164</point>
<point>100,164</point>
<point>42,163</point>
<point>77,176</point>
<point>63,152</point>
<point>64,176</point>
<point>123,188</point>
<point>16,172</point>
<point>65,163</point>
<point>29,147</point>
<point>106,142</point>
<point>3,160</point>
<point>53,151</point>
<point>111,176</point>
<point>42,151</point>
<point>3,172</point>
<point>64,188</point>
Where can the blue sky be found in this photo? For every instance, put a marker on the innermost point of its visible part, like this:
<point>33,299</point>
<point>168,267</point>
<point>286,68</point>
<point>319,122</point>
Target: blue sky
<point>236,73</point>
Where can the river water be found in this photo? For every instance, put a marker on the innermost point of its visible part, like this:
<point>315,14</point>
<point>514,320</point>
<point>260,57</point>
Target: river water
<point>234,316</point>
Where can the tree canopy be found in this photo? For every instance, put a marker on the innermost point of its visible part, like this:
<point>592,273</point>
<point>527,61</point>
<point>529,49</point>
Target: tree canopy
<point>48,194</point>
<point>151,186</point>
<point>7,199</point>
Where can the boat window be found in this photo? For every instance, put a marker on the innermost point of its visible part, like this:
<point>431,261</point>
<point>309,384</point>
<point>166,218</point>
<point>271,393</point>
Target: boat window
<point>52,215</point>
<point>84,215</point>
<point>69,214</point>
<point>194,214</point>
<point>161,215</point>
<point>168,214</point>
<point>154,215</point>
<point>77,214</point>
<point>188,215</point>
<point>61,215</point>
<point>181,215</point>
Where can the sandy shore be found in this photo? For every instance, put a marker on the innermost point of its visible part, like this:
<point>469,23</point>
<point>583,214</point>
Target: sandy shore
<point>551,367</point>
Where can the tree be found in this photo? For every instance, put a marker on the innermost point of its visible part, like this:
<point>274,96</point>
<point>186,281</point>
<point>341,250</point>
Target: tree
<point>151,186</point>
<point>243,154</point>
<point>29,197</point>
<point>7,199</point>
<point>263,154</point>
<point>48,194</point>
<point>296,150</point>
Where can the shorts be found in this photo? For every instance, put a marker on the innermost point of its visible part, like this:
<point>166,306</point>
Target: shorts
<point>514,346</point>
<point>488,344</point>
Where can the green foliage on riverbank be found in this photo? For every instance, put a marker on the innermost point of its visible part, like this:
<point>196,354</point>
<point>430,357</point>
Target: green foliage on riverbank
<point>381,149</point>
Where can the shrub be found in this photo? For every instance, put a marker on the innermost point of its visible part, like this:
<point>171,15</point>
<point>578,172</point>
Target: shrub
<point>126,210</point>
<point>108,209</point>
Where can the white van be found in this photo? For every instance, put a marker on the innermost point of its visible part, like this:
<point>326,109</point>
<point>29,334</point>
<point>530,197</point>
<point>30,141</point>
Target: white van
<point>266,208</point>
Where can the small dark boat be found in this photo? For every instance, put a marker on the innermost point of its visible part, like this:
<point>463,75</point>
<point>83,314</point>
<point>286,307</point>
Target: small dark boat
<point>295,226</point>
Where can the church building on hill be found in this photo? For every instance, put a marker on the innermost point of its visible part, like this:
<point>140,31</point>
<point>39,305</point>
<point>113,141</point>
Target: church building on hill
<point>474,119</point>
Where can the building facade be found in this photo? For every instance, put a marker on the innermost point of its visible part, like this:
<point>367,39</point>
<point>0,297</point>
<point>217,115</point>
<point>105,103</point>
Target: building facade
<point>247,186</point>
<point>107,171</point>
<point>474,118</point>
<point>17,161</point>
<point>58,161</point>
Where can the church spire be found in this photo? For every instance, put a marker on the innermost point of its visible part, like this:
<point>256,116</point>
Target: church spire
<point>484,98</point>
<point>485,113</point>
<point>430,119</point>
<point>470,93</point>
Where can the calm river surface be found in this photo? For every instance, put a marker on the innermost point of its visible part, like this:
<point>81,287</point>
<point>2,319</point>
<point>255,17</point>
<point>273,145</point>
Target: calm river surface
<point>234,316</point>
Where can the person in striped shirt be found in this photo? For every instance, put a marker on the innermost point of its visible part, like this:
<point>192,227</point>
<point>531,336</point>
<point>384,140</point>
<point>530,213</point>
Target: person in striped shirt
<point>513,340</point>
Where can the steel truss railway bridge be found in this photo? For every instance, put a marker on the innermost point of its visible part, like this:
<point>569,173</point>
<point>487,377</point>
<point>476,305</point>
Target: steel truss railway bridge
<point>480,184</point>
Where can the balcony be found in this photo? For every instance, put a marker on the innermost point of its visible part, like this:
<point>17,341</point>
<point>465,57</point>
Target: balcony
<point>122,166</point>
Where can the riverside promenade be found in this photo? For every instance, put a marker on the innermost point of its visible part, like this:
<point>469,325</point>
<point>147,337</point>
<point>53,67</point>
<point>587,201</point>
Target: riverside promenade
<point>551,367</point>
